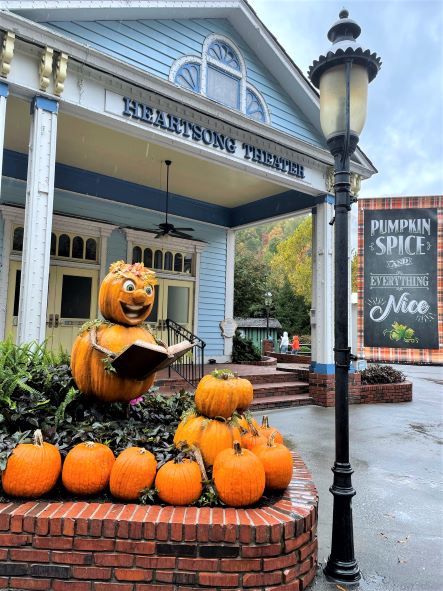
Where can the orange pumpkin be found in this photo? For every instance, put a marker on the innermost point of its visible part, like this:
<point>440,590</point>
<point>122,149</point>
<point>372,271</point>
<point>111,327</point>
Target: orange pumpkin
<point>277,462</point>
<point>239,476</point>
<point>89,372</point>
<point>266,430</point>
<point>216,436</point>
<point>87,468</point>
<point>252,438</point>
<point>133,470</point>
<point>216,395</point>
<point>245,393</point>
<point>127,293</point>
<point>246,420</point>
<point>32,469</point>
<point>178,482</point>
<point>190,430</point>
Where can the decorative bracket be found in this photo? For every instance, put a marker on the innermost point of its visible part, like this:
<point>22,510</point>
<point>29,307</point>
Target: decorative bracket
<point>7,53</point>
<point>60,73</point>
<point>355,182</point>
<point>45,68</point>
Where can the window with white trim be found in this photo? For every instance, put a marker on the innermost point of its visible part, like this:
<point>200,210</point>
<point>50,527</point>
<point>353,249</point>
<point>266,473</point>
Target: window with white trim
<point>220,74</point>
<point>63,245</point>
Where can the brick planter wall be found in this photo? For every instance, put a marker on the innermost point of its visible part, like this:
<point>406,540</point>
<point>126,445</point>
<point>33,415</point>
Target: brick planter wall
<point>371,393</point>
<point>265,361</point>
<point>81,546</point>
<point>322,390</point>
<point>289,358</point>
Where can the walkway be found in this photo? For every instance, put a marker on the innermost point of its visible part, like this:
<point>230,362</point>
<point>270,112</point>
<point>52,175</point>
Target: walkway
<point>396,453</point>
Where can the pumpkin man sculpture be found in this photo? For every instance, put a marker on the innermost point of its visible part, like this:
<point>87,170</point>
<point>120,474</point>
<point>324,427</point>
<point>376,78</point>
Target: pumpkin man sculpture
<point>126,298</point>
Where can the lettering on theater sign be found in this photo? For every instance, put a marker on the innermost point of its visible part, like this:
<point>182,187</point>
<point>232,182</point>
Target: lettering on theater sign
<point>211,138</point>
<point>400,278</point>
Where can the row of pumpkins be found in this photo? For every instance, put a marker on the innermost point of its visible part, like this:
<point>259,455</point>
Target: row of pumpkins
<point>245,457</point>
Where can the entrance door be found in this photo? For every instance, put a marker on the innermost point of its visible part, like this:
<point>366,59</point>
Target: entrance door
<point>72,300</point>
<point>174,299</point>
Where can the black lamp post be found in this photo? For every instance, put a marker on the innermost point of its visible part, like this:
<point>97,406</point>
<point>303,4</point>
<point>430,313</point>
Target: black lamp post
<point>268,303</point>
<point>342,75</point>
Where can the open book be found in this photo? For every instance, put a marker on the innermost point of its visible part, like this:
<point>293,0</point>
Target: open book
<point>141,359</point>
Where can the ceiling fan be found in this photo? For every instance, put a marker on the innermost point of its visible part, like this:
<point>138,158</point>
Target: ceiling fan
<point>167,229</point>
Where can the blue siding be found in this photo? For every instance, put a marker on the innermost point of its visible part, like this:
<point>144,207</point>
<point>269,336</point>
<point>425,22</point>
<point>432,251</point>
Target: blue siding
<point>213,259</point>
<point>153,45</point>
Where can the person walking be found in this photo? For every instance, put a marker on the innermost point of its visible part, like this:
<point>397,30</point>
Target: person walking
<point>284,343</point>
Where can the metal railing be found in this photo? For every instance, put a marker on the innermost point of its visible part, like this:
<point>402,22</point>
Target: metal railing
<point>191,365</point>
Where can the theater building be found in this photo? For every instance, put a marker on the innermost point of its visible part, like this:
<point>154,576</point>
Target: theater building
<point>94,98</point>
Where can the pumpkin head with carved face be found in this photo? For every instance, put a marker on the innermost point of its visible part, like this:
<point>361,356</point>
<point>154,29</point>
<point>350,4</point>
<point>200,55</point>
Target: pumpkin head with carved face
<point>126,299</point>
<point>127,293</point>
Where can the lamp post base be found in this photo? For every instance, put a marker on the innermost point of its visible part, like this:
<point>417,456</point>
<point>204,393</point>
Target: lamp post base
<point>342,572</point>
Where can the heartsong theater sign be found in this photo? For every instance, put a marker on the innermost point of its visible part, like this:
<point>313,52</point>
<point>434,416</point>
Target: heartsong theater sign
<point>400,278</point>
<point>209,137</point>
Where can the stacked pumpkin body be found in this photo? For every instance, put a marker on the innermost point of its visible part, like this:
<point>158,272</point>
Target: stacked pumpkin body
<point>216,399</point>
<point>126,298</point>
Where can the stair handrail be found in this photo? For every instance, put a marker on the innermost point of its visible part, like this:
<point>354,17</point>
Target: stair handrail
<point>191,365</point>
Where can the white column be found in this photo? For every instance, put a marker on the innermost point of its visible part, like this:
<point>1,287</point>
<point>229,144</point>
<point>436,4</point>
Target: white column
<point>4,91</point>
<point>322,312</point>
<point>229,299</point>
<point>38,221</point>
<point>4,258</point>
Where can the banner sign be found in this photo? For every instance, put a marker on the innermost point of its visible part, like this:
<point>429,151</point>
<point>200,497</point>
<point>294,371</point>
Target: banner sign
<point>400,278</point>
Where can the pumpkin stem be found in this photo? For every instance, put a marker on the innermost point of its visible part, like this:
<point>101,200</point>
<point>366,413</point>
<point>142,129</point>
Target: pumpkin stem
<point>237,448</point>
<point>199,459</point>
<point>222,374</point>
<point>253,430</point>
<point>221,419</point>
<point>142,451</point>
<point>38,437</point>
<point>265,422</point>
<point>271,439</point>
<point>89,443</point>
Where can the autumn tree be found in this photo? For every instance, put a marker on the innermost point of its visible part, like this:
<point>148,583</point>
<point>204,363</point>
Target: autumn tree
<point>292,261</point>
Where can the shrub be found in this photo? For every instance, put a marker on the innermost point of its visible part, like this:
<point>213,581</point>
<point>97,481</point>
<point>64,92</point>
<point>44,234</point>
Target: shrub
<point>304,349</point>
<point>243,349</point>
<point>382,374</point>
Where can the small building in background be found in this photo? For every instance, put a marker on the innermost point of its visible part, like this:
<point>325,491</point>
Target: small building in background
<point>255,330</point>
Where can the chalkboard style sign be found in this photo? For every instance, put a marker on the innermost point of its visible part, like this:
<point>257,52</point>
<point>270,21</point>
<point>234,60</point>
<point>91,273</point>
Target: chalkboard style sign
<point>400,278</point>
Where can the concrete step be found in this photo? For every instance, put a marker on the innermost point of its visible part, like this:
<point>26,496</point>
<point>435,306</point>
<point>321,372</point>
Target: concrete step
<point>284,401</point>
<point>280,389</point>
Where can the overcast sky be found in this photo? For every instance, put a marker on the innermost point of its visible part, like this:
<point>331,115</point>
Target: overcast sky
<point>403,135</point>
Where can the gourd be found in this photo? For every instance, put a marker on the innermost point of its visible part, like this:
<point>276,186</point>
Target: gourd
<point>126,298</point>
<point>252,438</point>
<point>87,468</point>
<point>216,396</point>
<point>277,462</point>
<point>178,482</point>
<point>266,430</point>
<point>133,470</point>
<point>245,393</point>
<point>190,430</point>
<point>32,469</point>
<point>216,436</point>
<point>239,476</point>
<point>245,420</point>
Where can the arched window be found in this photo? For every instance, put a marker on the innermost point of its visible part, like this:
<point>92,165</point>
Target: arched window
<point>158,259</point>
<point>77,247</point>
<point>64,245</point>
<point>168,261</point>
<point>220,74</point>
<point>178,263</point>
<point>91,249</point>
<point>136,255</point>
<point>147,258</point>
